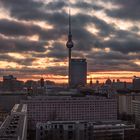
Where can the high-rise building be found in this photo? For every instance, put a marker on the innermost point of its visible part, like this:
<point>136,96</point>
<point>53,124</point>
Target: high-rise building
<point>78,72</point>
<point>136,111</point>
<point>136,83</point>
<point>125,103</point>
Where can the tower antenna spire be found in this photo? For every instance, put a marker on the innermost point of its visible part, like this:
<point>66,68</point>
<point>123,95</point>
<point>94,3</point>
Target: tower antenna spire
<point>69,22</point>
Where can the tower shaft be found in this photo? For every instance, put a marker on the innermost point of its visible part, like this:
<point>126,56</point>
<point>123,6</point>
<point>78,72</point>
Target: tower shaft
<point>69,78</point>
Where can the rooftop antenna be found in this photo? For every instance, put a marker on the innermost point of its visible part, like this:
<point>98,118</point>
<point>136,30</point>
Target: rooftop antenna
<point>69,22</point>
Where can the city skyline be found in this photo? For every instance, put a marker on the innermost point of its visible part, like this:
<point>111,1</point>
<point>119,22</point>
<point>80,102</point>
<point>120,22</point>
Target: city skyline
<point>106,33</point>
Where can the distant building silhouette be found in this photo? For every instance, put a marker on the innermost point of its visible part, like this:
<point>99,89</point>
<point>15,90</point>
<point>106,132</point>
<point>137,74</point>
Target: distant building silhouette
<point>42,83</point>
<point>10,83</point>
<point>108,82</point>
<point>91,83</point>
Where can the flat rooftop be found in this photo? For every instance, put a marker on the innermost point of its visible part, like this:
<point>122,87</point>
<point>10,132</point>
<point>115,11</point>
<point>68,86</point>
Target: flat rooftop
<point>78,60</point>
<point>19,108</point>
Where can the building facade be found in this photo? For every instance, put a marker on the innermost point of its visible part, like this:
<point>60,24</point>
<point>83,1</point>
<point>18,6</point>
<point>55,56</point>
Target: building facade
<point>125,104</point>
<point>136,111</point>
<point>67,108</point>
<point>78,72</point>
<point>82,130</point>
<point>136,83</point>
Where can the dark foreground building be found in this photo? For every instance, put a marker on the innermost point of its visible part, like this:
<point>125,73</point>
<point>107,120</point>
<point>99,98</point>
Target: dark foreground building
<point>82,130</point>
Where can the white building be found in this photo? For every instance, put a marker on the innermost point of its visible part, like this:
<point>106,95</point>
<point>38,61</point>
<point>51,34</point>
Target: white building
<point>67,108</point>
<point>136,110</point>
<point>125,105</point>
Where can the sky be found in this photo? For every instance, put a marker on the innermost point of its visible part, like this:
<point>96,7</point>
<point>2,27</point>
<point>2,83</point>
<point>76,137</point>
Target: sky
<point>33,34</point>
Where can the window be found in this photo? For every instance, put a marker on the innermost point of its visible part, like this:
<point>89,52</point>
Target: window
<point>70,135</point>
<point>70,126</point>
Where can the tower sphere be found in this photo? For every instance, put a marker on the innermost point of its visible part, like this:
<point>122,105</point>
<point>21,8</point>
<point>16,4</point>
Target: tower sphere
<point>69,44</point>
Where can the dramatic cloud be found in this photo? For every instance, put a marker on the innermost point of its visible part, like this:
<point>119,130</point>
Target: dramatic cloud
<point>105,32</point>
<point>57,51</point>
<point>26,61</point>
<point>17,45</point>
<point>14,28</point>
<point>87,6</point>
<point>125,46</point>
<point>24,8</point>
<point>129,9</point>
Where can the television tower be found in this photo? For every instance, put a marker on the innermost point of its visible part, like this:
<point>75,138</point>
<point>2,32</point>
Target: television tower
<point>69,45</point>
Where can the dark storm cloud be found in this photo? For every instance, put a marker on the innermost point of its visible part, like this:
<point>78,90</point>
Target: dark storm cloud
<point>125,35</point>
<point>83,38</point>
<point>17,45</point>
<point>57,70</point>
<point>32,10</point>
<point>112,55</point>
<point>125,46</point>
<point>135,29</point>
<point>58,19</point>
<point>57,50</point>
<point>14,28</point>
<point>26,61</point>
<point>56,5</point>
<point>123,41</point>
<point>112,65</point>
<point>129,9</point>
<point>25,71</point>
<point>113,60</point>
<point>87,6</point>
<point>26,9</point>
<point>81,20</point>
<point>39,55</point>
